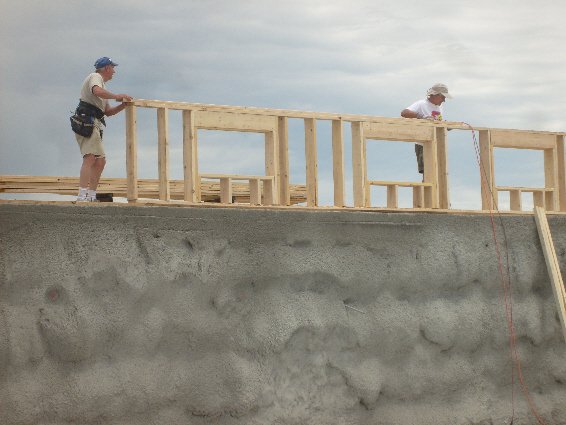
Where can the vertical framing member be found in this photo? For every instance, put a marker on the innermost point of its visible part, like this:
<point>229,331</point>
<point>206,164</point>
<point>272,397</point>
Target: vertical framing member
<point>190,161</point>
<point>359,172</point>
<point>488,191</point>
<point>442,163</point>
<point>163,153</point>
<point>338,162</point>
<point>131,153</point>
<point>311,162</point>
<point>283,170</point>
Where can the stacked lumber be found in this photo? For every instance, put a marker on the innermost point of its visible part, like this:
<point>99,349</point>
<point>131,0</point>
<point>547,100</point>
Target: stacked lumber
<point>147,188</point>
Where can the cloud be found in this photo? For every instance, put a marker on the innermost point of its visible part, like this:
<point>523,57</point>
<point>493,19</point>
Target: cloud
<point>501,60</point>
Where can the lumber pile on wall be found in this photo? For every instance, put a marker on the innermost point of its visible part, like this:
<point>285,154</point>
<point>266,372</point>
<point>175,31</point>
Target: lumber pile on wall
<point>147,188</point>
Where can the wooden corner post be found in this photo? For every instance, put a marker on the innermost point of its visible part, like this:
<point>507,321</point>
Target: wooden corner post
<point>551,198</point>
<point>190,158</point>
<point>430,175</point>
<point>131,154</point>
<point>488,192</point>
<point>561,190</point>
<point>442,163</point>
<point>358,164</point>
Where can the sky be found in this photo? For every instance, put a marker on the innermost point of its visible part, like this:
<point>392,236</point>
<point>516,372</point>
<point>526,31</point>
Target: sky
<point>504,63</point>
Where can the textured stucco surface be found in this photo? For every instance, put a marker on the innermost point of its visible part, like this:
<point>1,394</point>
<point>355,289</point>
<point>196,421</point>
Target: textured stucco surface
<point>153,315</point>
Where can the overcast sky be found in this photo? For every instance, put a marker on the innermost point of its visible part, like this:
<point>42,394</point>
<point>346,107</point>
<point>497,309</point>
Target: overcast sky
<point>503,61</point>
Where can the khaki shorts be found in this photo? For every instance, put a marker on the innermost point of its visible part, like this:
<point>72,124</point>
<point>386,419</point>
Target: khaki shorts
<point>93,144</point>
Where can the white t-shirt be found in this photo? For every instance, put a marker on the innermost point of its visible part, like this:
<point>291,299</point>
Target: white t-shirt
<point>426,109</point>
<point>94,79</point>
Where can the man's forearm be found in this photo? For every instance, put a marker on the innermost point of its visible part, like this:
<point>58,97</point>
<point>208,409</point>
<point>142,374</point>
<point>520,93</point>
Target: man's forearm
<point>407,113</point>
<point>105,94</point>
<point>114,110</point>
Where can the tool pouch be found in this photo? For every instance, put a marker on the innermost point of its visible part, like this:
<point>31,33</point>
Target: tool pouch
<point>82,124</point>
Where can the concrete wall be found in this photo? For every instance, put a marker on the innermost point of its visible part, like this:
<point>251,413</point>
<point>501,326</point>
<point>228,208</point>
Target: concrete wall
<point>151,315</point>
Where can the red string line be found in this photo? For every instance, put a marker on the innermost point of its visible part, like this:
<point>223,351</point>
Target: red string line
<point>507,289</point>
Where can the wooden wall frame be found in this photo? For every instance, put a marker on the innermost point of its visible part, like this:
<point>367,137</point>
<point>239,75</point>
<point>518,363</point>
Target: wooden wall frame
<point>428,189</point>
<point>194,120</point>
<point>227,121</point>
<point>551,196</point>
<point>432,193</point>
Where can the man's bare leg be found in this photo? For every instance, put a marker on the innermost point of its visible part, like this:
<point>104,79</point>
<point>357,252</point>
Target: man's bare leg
<point>90,173</point>
<point>86,167</point>
<point>96,172</point>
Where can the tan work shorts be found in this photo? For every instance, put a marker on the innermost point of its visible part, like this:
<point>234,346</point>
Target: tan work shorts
<point>93,144</point>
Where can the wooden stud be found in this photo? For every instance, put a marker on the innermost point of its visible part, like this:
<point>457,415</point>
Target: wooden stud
<point>338,162</point>
<point>560,190</point>
<point>358,165</point>
<point>268,192</point>
<point>226,190</point>
<point>283,169</point>
<point>418,196</point>
<point>190,161</point>
<point>488,192</point>
<point>550,201</point>
<point>392,196</point>
<point>442,163</point>
<point>271,162</point>
<point>551,177</point>
<point>552,265</point>
<point>131,153</point>
<point>430,174</point>
<point>311,162</point>
<point>538,198</point>
<point>163,153</point>
<point>255,192</point>
<point>366,184</point>
<point>429,198</point>
<point>515,200</point>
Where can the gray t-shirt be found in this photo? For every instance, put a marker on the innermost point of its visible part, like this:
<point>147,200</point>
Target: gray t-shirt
<point>94,79</point>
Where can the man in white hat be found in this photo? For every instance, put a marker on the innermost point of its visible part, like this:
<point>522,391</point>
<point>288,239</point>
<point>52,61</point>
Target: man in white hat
<point>429,108</point>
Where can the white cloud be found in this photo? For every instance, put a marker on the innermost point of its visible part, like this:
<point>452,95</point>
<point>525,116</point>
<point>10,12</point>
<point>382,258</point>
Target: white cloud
<point>503,61</point>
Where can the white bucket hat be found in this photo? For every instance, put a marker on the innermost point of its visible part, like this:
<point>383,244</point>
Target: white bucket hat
<point>439,89</point>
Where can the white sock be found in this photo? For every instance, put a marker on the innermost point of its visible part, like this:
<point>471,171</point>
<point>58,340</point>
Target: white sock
<point>91,194</point>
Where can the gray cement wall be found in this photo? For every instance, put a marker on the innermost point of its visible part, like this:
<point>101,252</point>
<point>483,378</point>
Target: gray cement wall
<point>151,315</point>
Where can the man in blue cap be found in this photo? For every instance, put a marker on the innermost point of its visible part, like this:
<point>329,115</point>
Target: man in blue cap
<point>94,103</point>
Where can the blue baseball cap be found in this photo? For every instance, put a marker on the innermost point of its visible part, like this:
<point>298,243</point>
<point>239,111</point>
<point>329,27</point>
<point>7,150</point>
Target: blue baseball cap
<point>103,61</point>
